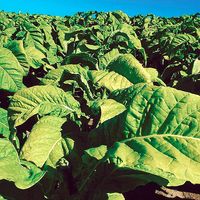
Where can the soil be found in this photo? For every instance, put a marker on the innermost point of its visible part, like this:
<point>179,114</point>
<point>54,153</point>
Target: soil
<point>154,192</point>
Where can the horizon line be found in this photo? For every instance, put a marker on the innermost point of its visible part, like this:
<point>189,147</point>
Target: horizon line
<point>70,15</point>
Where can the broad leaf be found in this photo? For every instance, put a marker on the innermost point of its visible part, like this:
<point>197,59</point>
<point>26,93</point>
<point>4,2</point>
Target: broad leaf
<point>4,127</point>
<point>128,66</point>
<point>115,196</point>
<point>53,77</point>
<point>99,195</point>
<point>47,30</point>
<point>11,168</point>
<point>35,56</point>
<point>110,80</point>
<point>34,38</point>
<point>18,50</point>
<point>196,67</point>
<point>151,110</point>
<point>27,57</point>
<point>42,100</point>
<point>108,108</point>
<point>140,160</point>
<point>45,142</point>
<point>11,72</point>
<point>107,58</point>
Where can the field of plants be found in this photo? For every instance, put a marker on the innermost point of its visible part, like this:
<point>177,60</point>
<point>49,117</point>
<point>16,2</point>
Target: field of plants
<point>94,105</point>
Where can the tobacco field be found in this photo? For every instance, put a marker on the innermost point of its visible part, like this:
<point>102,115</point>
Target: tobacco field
<point>96,104</point>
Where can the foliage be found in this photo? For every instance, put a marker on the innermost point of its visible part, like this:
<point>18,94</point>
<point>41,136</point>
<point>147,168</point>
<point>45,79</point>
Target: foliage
<point>92,105</point>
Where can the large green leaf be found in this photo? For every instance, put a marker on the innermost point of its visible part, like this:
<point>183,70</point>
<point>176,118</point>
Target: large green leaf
<point>107,58</point>
<point>196,67</point>
<point>45,142</point>
<point>108,109</point>
<point>140,160</point>
<point>4,127</point>
<point>121,16</point>
<point>151,110</point>
<point>60,153</point>
<point>163,110</point>
<point>128,66</point>
<point>110,80</point>
<point>34,37</point>
<point>115,196</point>
<point>107,196</point>
<point>11,168</point>
<point>35,56</point>
<point>47,30</point>
<point>11,72</point>
<point>27,56</point>
<point>17,48</point>
<point>126,35</point>
<point>42,100</point>
<point>106,170</point>
<point>53,77</point>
